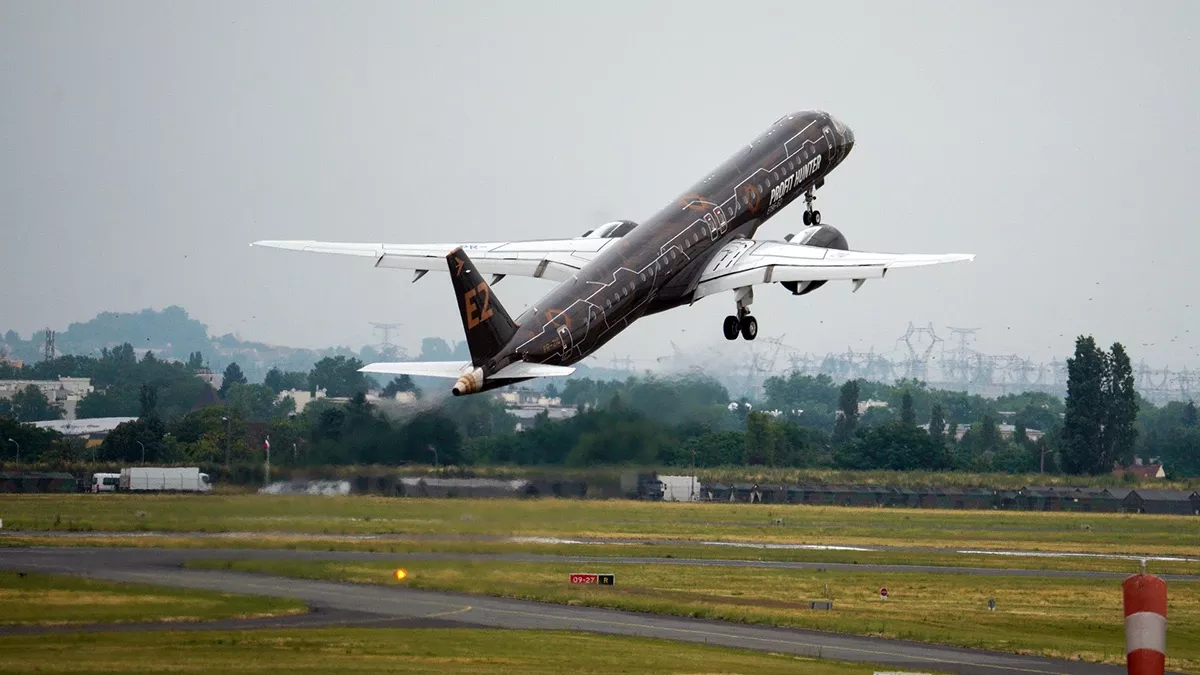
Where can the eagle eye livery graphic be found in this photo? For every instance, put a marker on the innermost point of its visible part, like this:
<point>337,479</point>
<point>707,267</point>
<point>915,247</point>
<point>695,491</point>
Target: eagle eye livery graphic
<point>700,244</point>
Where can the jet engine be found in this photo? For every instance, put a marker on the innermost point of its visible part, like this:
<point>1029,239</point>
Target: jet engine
<point>822,236</point>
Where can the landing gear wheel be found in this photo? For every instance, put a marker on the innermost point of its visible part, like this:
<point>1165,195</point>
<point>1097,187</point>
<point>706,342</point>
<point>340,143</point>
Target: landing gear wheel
<point>811,217</point>
<point>749,326</point>
<point>730,327</point>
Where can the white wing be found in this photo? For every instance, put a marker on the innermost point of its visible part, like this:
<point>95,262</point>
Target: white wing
<point>553,259</point>
<point>746,262</point>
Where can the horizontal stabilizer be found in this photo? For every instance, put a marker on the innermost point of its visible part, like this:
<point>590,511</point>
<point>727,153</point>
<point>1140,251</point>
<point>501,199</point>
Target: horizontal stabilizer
<point>423,368</point>
<point>523,369</point>
<point>514,371</point>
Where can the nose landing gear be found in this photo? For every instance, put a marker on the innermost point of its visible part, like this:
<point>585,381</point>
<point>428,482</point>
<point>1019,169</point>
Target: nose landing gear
<point>811,216</point>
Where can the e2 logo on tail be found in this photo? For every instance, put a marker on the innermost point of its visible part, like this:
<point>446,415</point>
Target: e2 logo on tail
<point>485,312</point>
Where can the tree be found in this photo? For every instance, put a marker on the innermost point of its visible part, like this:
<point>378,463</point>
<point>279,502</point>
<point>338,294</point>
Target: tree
<point>338,376</point>
<point>895,446</point>
<point>1181,451</point>
<point>1020,434</point>
<point>435,349</point>
<point>937,423</point>
<point>847,416</point>
<point>907,414</point>
<point>762,439</point>
<point>233,375</point>
<point>148,401</point>
<point>256,402</point>
<point>1081,439</point>
<point>1118,434</point>
<point>195,362</point>
<point>278,380</point>
<point>122,443</point>
<point>400,384</point>
<point>1190,418</point>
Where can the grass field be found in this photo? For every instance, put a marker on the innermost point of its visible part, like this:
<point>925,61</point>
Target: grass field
<point>1065,618</point>
<point>465,651</point>
<point>1040,531</point>
<point>46,599</point>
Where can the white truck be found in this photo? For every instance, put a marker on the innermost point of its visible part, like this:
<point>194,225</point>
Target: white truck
<point>164,479</point>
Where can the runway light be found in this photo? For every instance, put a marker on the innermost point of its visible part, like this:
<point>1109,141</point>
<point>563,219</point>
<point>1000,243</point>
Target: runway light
<point>400,575</point>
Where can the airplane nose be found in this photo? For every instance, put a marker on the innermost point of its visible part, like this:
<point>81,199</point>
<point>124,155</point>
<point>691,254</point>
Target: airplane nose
<point>844,137</point>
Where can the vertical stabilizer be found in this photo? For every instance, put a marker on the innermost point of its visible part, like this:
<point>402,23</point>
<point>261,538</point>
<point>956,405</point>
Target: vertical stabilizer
<point>487,325</point>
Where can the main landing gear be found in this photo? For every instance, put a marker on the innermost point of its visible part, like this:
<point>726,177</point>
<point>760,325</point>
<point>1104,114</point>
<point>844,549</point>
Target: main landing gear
<point>811,216</point>
<point>743,323</point>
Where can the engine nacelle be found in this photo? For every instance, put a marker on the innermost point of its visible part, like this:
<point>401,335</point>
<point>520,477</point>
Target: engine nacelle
<point>822,236</point>
<point>470,383</point>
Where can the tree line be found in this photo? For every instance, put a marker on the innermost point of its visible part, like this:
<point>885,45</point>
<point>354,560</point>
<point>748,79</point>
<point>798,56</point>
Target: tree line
<point>801,421</point>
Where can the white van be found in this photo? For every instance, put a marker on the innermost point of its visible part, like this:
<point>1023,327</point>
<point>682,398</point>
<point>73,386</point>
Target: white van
<point>105,482</point>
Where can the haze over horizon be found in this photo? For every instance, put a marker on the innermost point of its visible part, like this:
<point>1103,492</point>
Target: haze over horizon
<point>144,146</point>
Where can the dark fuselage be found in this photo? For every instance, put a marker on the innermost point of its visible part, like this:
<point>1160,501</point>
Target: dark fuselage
<point>655,266</point>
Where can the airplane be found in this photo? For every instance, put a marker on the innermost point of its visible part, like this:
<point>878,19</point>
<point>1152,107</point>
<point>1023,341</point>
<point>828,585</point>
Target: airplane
<point>699,245</point>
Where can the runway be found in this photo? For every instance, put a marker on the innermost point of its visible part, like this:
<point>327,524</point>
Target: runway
<point>1133,558</point>
<point>162,557</point>
<point>388,604</point>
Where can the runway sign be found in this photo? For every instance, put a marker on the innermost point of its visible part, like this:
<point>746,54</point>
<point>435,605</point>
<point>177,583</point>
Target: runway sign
<point>883,593</point>
<point>600,579</point>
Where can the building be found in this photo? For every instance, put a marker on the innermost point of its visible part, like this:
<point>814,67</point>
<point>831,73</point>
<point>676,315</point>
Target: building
<point>93,429</point>
<point>301,397</point>
<point>1141,470</point>
<point>1180,502</point>
<point>214,380</point>
<point>1006,432</point>
<point>65,392</point>
<point>864,406</point>
<point>527,404</point>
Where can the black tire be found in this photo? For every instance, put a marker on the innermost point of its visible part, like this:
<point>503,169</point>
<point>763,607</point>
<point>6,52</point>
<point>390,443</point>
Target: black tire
<point>807,218</point>
<point>816,218</point>
<point>730,327</point>
<point>749,326</point>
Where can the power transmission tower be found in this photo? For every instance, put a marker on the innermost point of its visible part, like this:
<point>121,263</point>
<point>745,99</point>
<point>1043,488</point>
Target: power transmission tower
<point>385,347</point>
<point>49,345</point>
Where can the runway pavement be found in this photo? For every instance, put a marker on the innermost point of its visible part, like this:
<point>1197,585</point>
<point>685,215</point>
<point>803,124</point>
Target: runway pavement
<point>390,603</point>
<point>384,538</point>
<point>178,556</point>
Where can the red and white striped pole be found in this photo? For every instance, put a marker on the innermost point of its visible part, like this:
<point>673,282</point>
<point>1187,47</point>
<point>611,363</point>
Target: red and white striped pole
<point>1145,624</point>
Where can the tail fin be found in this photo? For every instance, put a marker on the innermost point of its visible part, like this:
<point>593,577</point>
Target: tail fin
<point>487,325</point>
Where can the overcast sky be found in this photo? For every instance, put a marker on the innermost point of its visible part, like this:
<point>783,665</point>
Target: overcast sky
<point>143,145</point>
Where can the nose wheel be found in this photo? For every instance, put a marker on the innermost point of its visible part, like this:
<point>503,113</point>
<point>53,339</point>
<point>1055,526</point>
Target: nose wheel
<point>743,324</point>
<point>811,216</point>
